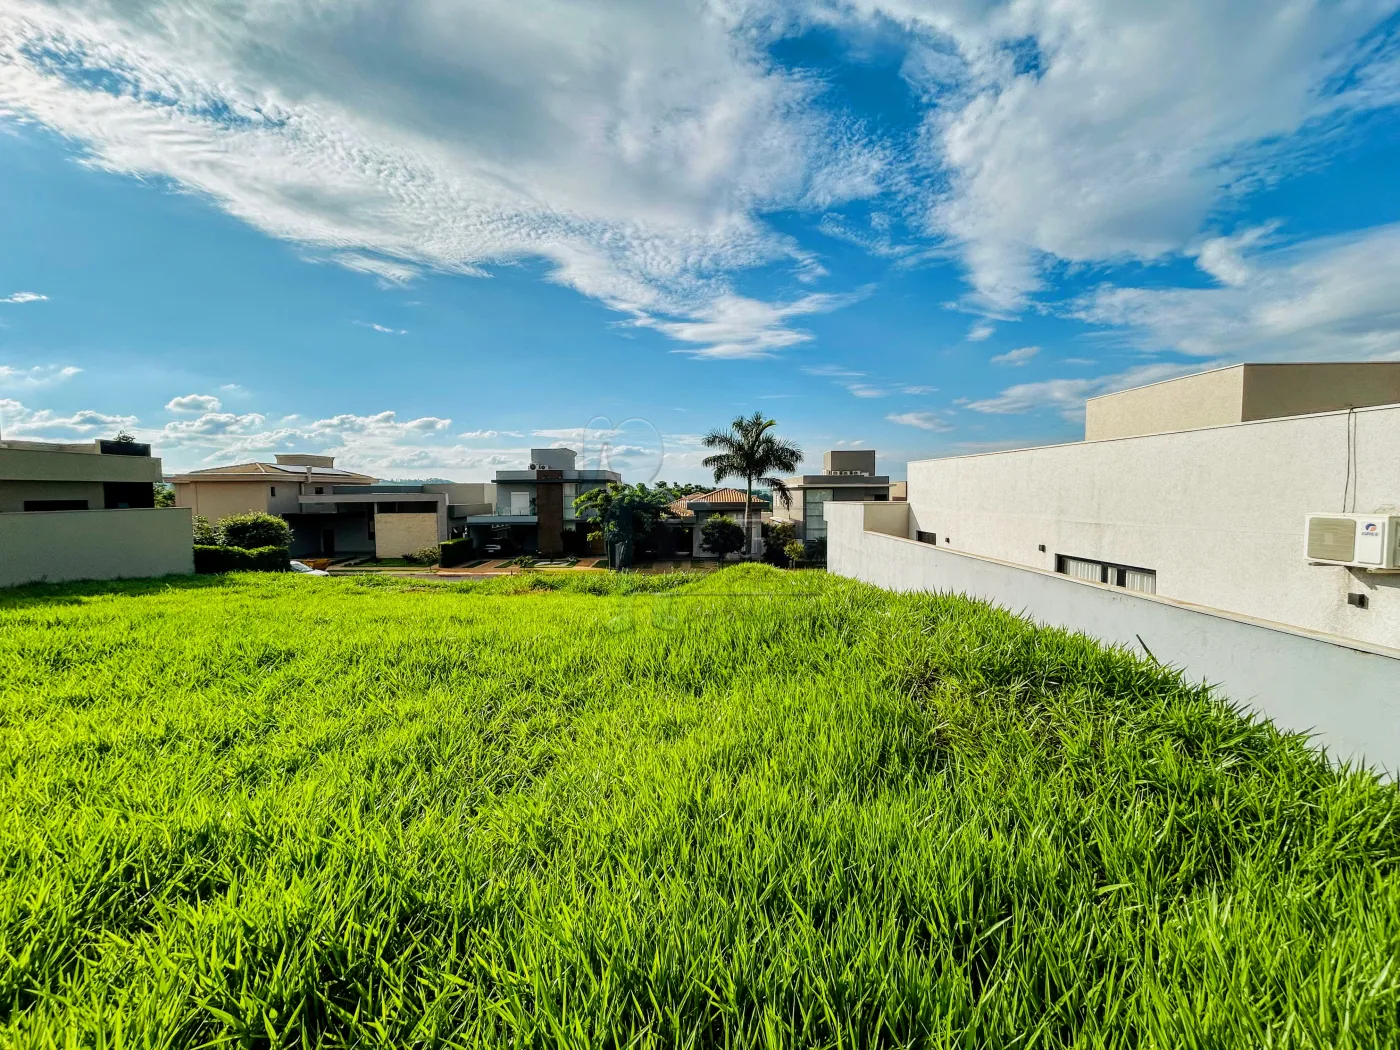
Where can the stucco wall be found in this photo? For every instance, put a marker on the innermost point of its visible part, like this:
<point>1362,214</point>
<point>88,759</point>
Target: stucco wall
<point>1217,513</point>
<point>1349,696</point>
<point>34,465</point>
<point>94,545</point>
<point>1293,389</point>
<point>398,534</point>
<point>14,493</point>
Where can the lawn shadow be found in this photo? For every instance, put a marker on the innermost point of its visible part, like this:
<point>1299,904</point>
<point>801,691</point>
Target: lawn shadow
<point>76,592</point>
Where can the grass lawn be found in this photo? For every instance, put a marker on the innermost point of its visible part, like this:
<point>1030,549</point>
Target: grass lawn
<point>748,809</point>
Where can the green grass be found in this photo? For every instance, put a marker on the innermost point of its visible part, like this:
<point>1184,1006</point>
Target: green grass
<point>749,809</point>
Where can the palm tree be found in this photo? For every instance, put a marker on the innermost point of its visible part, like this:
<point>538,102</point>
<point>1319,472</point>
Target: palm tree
<point>751,452</point>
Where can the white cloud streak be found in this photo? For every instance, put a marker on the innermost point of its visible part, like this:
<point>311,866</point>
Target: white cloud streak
<point>36,376</point>
<point>1016,358</point>
<point>24,297</point>
<point>922,421</point>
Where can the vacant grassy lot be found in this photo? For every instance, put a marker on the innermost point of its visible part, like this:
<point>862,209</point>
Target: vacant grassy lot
<point>754,809</point>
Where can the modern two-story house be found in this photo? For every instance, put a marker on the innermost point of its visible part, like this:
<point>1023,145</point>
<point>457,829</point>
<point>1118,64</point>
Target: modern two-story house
<point>847,476</point>
<point>534,508</point>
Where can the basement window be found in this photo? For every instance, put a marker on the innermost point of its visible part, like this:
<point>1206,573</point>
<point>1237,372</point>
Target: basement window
<point>1129,577</point>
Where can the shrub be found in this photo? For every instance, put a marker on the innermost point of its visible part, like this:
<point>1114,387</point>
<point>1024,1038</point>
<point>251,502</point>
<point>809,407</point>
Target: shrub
<point>423,556</point>
<point>794,551</point>
<point>240,559</point>
<point>454,552</point>
<point>251,531</point>
<point>777,537</point>
<point>721,535</point>
<point>205,535</point>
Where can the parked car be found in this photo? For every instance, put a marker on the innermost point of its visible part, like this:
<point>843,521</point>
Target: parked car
<point>307,570</point>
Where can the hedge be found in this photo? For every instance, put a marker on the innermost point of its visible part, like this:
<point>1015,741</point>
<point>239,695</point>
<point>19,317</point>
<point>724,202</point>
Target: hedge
<point>454,552</point>
<point>236,559</point>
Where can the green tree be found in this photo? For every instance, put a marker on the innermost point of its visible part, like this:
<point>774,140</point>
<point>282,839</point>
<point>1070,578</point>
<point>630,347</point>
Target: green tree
<point>750,450</point>
<point>165,494</point>
<point>776,537</point>
<point>251,531</point>
<point>721,535</point>
<point>619,513</point>
<point>795,550</point>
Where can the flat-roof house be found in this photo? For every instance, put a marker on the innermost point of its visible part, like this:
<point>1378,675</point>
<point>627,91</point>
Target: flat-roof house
<point>86,511</point>
<point>333,511</point>
<point>534,508</point>
<point>848,475</point>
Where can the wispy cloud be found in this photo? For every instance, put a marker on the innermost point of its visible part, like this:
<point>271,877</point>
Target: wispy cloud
<point>921,420</point>
<point>733,326</point>
<point>980,332</point>
<point>25,297</point>
<point>633,149</point>
<point>834,371</point>
<point>1016,358</point>
<point>382,328</point>
<point>35,376</point>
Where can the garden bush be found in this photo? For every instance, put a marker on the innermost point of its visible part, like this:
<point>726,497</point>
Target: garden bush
<point>240,559</point>
<point>251,531</point>
<point>454,552</point>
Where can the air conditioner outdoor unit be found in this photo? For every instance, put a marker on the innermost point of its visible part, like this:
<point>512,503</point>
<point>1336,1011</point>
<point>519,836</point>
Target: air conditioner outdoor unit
<point>1366,541</point>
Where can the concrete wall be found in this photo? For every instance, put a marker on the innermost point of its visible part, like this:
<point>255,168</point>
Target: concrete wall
<point>34,465</point>
<point>1348,695</point>
<point>1271,391</point>
<point>62,545</point>
<point>14,493</point>
<point>1217,513</point>
<point>398,534</point>
<point>1207,399</point>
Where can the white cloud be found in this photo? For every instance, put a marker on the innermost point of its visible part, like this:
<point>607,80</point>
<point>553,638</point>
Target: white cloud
<point>194,403</point>
<point>214,423</point>
<point>835,371</point>
<point>382,328</point>
<point>866,390</point>
<point>1074,130</point>
<point>980,332</point>
<point>633,147</point>
<point>919,389</point>
<point>1328,299</point>
<point>733,326</point>
<point>1067,396</point>
<point>1016,358</point>
<point>35,376</point>
<point>381,425</point>
<point>921,420</point>
<point>24,297</point>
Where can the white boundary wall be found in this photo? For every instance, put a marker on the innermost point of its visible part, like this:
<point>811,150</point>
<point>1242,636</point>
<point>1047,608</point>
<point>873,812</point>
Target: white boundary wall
<point>1346,693</point>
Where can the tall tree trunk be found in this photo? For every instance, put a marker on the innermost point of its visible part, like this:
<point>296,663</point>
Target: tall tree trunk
<point>748,499</point>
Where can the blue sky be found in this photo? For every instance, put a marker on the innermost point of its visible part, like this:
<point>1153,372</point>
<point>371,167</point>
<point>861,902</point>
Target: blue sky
<point>425,235</point>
